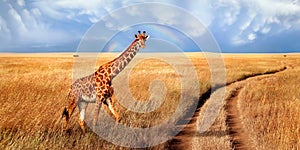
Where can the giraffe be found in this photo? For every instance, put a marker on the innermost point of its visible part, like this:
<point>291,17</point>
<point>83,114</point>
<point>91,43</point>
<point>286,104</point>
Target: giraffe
<point>97,87</point>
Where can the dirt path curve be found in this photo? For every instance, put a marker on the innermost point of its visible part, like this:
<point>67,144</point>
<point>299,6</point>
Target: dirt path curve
<point>184,139</point>
<point>239,137</point>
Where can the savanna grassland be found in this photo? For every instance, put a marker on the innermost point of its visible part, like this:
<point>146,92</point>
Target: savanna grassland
<point>34,91</point>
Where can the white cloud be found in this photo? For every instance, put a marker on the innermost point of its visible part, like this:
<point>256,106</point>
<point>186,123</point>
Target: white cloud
<point>251,36</point>
<point>277,7</point>
<point>36,12</point>
<point>22,26</point>
<point>28,17</point>
<point>50,10</point>
<point>79,4</point>
<point>94,19</point>
<point>4,30</point>
<point>17,21</point>
<point>245,25</point>
<point>229,10</point>
<point>245,21</point>
<point>246,18</point>
<point>236,40</point>
<point>156,14</point>
<point>72,10</point>
<point>21,3</point>
<point>3,26</point>
<point>266,30</point>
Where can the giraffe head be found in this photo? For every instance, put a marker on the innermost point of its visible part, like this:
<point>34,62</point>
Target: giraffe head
<point>142,37</point>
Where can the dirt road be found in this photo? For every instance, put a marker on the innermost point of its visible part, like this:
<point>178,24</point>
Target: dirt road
<point>239,137</point>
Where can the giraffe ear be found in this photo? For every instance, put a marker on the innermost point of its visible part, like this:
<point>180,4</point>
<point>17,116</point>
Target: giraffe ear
<point>147,37</point>
<point>135,36</point>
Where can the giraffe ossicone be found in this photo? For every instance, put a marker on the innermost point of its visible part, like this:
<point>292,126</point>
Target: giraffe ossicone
<point>97,87</point>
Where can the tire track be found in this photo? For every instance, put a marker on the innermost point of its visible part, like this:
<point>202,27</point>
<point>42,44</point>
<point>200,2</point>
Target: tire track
<point>239,137</point>
<point>184,139</point>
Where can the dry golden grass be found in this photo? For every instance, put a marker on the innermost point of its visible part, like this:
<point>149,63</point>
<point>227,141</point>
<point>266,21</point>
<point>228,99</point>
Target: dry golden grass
<point>34,89</point>
<point>270,110</point>
<point>241,67</point>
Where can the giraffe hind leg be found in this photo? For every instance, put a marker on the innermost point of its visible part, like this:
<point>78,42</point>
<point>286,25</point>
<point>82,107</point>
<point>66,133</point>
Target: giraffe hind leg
<point>113,109</point>
<point>96,114</point>
<point>68,111</point>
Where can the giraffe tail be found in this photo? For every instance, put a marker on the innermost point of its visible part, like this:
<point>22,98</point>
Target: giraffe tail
<point>65,112</point>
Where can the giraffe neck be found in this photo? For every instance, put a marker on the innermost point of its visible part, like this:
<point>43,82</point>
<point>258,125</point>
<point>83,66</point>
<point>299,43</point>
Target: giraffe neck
<point>121,62</point>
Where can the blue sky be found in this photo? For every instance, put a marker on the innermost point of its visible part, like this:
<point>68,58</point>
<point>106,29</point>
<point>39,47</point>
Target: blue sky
<point>237,25</point>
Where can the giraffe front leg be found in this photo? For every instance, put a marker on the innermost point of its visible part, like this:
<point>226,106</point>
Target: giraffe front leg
<point>112,109</point>
<point>82,107</point>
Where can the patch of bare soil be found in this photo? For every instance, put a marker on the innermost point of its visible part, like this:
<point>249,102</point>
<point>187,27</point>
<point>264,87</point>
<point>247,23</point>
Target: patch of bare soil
<point>239,136</point>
